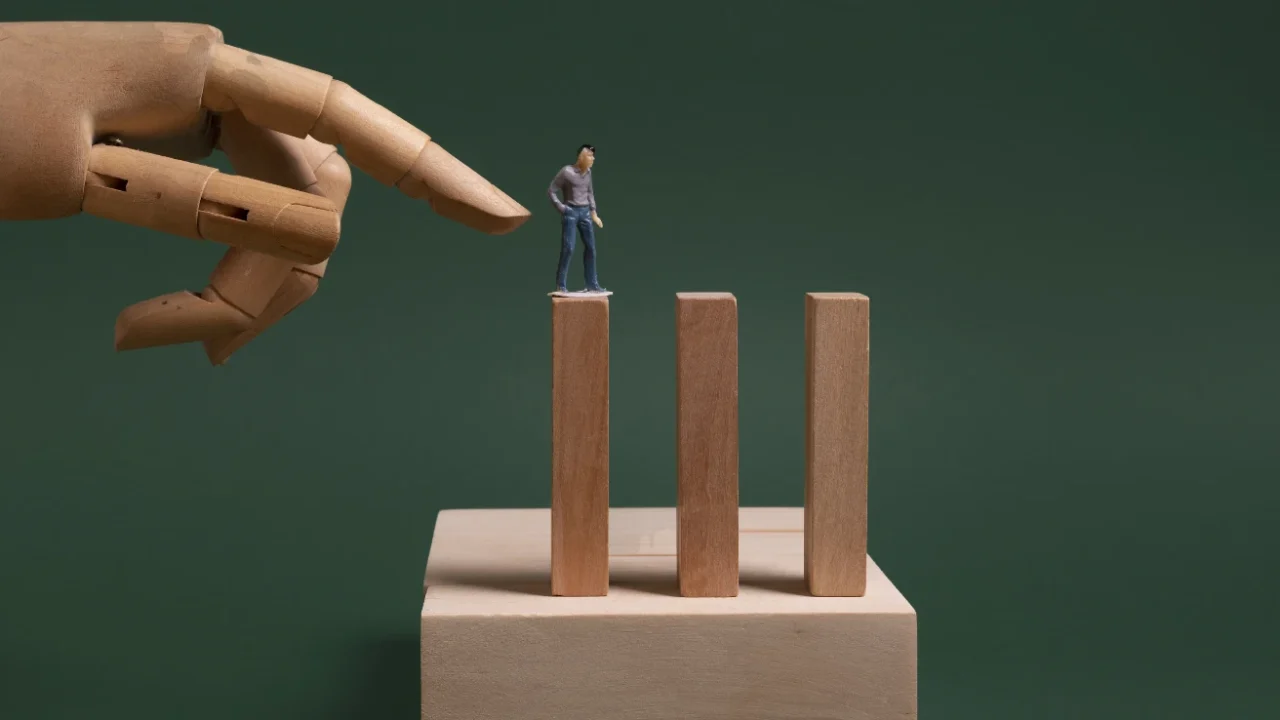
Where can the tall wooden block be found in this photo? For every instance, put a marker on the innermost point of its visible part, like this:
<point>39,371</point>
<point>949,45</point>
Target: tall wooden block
<point>707,444</point>
<point>580,446</point>
<point>837,338</point>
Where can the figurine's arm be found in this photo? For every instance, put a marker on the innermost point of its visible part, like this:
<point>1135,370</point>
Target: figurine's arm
<point>591,198</point>
<point>551,192</point>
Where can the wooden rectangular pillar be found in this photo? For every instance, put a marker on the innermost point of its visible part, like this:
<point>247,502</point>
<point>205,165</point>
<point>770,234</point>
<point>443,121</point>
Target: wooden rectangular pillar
<point>707,444</point>
<point>580,446</point>
<point>837,386</point>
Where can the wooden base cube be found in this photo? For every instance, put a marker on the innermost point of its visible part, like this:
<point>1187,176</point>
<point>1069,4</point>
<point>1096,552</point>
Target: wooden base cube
<point>497,645</point>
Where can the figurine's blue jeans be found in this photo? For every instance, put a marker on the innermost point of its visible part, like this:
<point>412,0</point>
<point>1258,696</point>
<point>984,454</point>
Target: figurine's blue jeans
<point>577,218</point>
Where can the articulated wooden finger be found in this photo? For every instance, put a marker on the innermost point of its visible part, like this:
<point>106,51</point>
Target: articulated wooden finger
<point>248,280</point>
<point>194,201</point>
<point>302,102</point>
<point>278,158</point>
<point>266,288</point>
<point>254,215</point>
<point>397,153</point>
<point>146,190</point>
<point>297,288</point>
<point>333,181</point>
<point>457,192</point>
<point>179,317</point>
<point>270,93</point>
<point>250,283</point>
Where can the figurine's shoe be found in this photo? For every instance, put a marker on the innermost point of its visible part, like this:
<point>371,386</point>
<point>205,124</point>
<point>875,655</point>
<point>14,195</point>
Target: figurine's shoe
<point>595,289</point>
<point>563,290</point>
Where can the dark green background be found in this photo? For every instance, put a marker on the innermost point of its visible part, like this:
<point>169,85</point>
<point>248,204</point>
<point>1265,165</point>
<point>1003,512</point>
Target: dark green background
<point>1064,213</point>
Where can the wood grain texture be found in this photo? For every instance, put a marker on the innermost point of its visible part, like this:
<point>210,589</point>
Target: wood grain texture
<point>580,446</point>
<point>837,387</point>
<point>496,645</point>
<point>707,443</point>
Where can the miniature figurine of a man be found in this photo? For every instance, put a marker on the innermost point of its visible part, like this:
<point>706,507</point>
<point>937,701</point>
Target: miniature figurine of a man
<point>577,212</point>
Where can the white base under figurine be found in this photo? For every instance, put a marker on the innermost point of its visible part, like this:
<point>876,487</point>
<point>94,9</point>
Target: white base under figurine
<point>580,293</point>
<point>497,646</point>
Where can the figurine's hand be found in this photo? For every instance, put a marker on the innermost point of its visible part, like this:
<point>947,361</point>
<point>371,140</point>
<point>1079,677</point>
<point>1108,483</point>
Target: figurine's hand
<point>165,93</point>
<point>596,219</point>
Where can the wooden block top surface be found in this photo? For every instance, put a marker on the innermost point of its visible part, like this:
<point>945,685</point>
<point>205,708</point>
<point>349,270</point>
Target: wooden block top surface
<point>498,562</point>
<point>705,296</point>
<point>837,296</point>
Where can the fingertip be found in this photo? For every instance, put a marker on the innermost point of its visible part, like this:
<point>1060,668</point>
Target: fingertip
<point>485,221</point>
<point>220,349</point>
<point>457,192</point>
<point>173,319</point>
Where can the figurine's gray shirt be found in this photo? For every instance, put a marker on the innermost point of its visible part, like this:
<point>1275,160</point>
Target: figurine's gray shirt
<point>574,186</point>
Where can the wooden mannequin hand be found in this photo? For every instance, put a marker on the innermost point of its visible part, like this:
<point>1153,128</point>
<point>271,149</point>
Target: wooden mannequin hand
<point>596,219</point>
<point>105,118</point>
